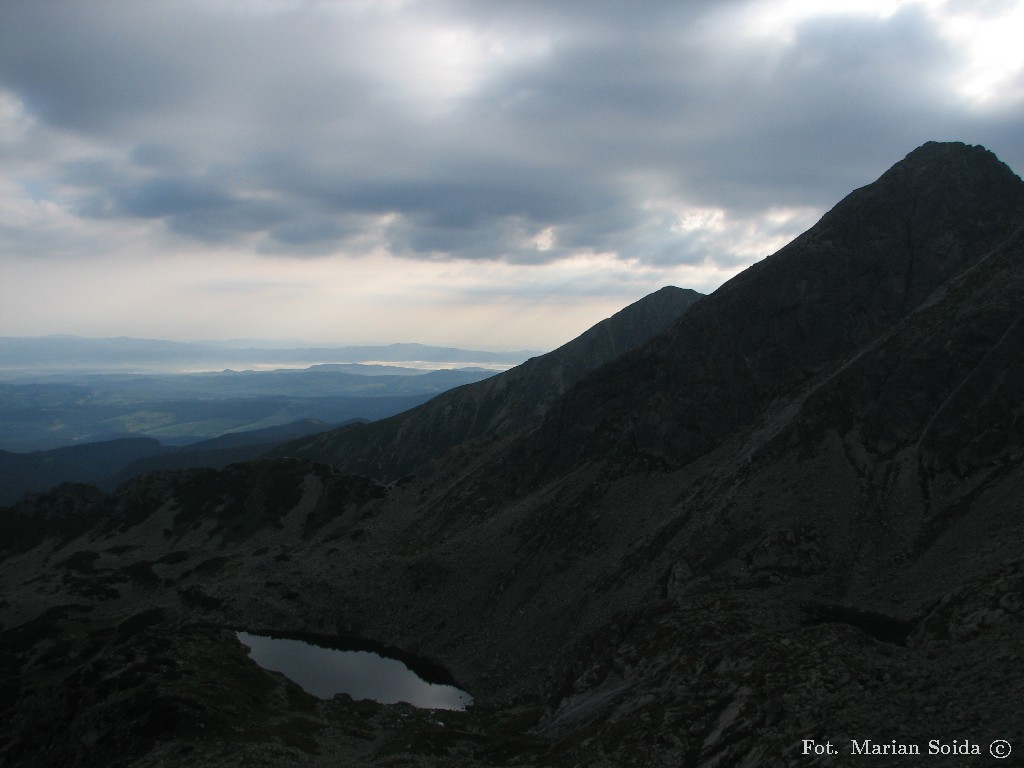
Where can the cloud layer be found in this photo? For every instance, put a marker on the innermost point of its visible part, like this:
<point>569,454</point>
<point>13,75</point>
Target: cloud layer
<point>661,141</point>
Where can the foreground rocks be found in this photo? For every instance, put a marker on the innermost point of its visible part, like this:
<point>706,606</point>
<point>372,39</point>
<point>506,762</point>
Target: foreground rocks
<point>118,648</point>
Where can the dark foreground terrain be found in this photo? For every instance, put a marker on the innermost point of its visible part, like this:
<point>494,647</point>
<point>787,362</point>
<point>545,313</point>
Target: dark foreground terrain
<point>796,514</point>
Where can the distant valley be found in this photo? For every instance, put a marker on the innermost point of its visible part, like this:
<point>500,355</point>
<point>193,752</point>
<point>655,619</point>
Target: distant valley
<point>53,412</point>
<point>71,419</point>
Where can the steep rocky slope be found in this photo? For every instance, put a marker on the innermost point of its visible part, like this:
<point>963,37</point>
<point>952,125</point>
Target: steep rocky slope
<point>390,448</point>
<point>794,515</point>
<point>798,314</point>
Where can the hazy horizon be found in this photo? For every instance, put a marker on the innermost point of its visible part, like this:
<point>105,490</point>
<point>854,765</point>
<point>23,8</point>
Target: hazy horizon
<point>72,355</point>
<point>272,343</point>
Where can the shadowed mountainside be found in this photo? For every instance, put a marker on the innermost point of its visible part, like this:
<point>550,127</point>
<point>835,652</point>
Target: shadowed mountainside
<point>108,463</point>
<point>797,316</point>
<point>390,448</point>
<point>795,514</point>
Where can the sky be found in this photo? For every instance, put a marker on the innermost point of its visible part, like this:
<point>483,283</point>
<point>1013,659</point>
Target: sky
<point>468,173</point>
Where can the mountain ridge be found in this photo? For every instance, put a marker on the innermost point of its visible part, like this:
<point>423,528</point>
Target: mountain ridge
<point>390,448</point>
<point>786,353</point>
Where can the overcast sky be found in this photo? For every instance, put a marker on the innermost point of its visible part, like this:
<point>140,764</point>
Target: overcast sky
<point>470,173</point>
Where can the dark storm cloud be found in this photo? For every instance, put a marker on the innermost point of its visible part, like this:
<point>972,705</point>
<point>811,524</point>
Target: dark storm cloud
<point>839,104</point>
<point>168,197</point>
<point>92,66</point>
<point>742,122</point>
<point>283,124</point>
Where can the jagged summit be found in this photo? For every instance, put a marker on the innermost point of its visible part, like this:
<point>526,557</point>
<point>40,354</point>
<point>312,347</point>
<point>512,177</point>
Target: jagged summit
<point>954,155</point>
<point>870,261</point>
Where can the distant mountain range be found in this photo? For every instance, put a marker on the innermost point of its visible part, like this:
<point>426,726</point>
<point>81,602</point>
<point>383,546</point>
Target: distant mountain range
<point>32,356</point>
<point>792,513</point>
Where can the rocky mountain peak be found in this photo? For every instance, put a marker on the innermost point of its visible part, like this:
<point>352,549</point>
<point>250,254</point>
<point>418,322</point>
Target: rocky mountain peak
<point>786,320</point>
<point>966,159</point>
<point>937,194</point>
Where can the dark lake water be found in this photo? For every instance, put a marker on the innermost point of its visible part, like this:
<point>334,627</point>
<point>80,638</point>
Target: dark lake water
<point>325,672</point>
